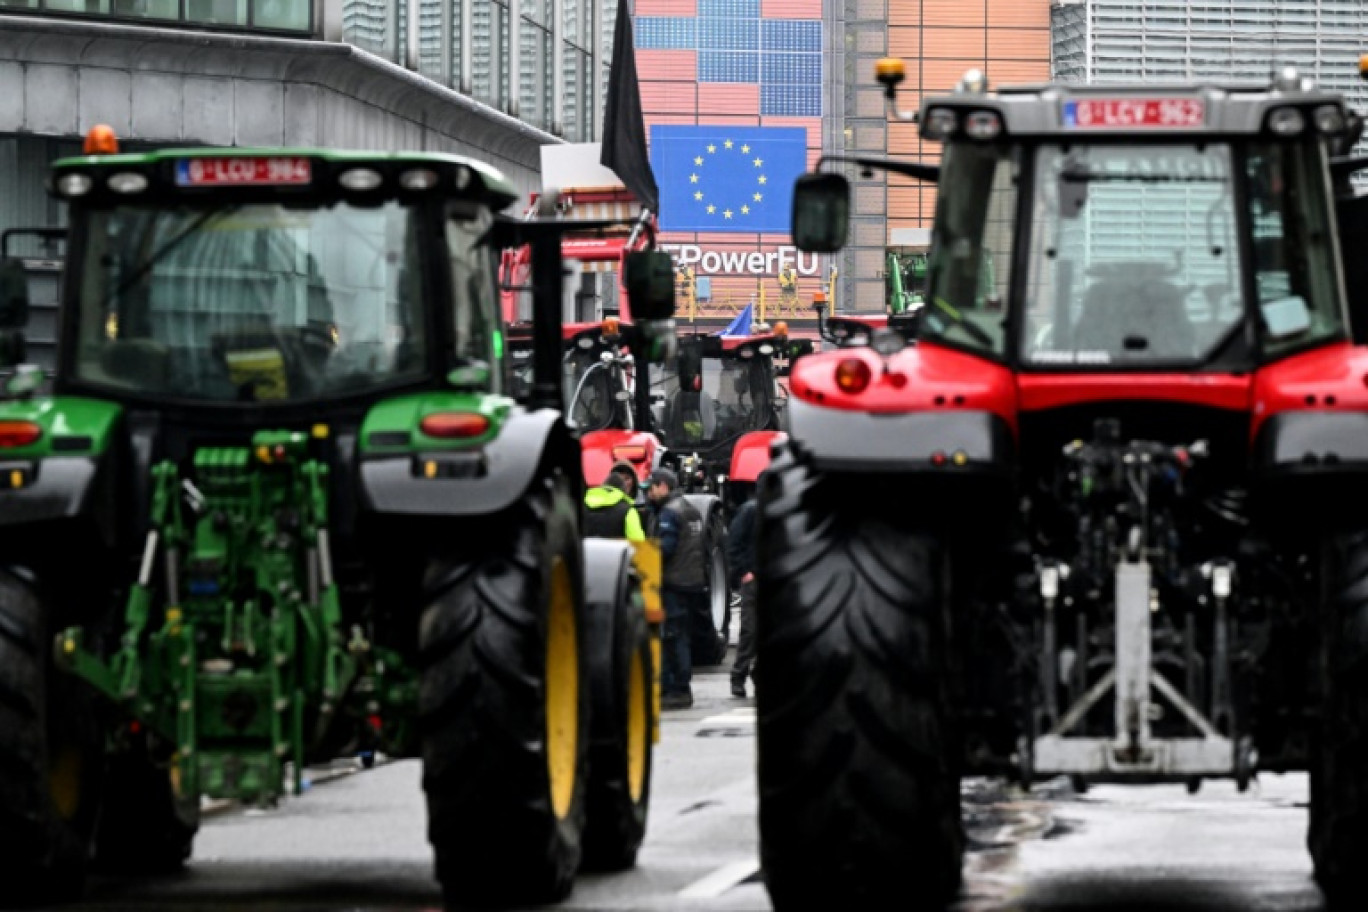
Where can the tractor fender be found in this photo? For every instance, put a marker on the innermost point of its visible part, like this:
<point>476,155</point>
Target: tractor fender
<point>1313,442</point>
<point>605,562</point>
<point>844,440</point>
<point>50,489</point>
<point>751,455</point>
<point>478,481</point>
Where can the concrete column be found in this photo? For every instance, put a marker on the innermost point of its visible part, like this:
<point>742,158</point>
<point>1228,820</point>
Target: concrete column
<point>327,22</point>
<point>557,64</point>
<point>410,59</point>
<point>595,87</point>
<point>467,45</point>
<point>444,67</point>
<point>514,56</point>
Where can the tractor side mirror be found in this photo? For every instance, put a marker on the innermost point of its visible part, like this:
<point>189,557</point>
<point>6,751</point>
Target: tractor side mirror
<point>1286,318</point>
<point>821,212</point>
<point>649,277</point>
<point>14,312</point>
<point>14,297</point>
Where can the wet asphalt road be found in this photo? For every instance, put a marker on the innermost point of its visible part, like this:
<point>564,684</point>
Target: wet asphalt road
<point>357,843</point>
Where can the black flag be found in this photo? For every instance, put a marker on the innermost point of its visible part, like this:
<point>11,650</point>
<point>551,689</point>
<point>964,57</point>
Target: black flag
<point>624,129</point>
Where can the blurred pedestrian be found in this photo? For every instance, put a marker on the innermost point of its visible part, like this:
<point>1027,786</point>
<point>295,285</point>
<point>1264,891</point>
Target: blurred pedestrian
<point>741,565</point>
<point>680,530</point>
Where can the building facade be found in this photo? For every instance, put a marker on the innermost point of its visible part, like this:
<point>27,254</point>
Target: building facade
<point>1239,41</point>
<point>810,64</point>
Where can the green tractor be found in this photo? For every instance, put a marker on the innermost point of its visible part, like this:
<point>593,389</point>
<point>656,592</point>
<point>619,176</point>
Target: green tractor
<point>279,509</point>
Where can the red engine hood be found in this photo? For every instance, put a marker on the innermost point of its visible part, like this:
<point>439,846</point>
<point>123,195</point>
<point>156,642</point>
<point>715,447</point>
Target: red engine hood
<point>751,455</point>
<point>600,449</point>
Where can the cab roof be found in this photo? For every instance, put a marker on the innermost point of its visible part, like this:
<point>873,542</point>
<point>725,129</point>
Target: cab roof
<point>1133,110</point>
<point>166,171</point>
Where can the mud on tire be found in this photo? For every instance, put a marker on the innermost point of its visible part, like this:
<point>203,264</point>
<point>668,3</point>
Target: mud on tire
<point>859,801</point>
<point>1338,836</point>
<point>49,757</point>
<point>496,707</point>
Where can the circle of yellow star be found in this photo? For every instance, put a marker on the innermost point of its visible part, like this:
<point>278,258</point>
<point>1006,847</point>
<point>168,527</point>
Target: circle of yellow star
<point>726,213</point>
<point>759,162</point>
<point>759,197</point>
<point>693,178</point>
<point>698,160</point>
<point>698,195</point>
<point>762,178</point>
<point>712,149</point>
<point>745,149</point>
<point>727,144</point>
<point>745,210</point>
<point>711,210</point>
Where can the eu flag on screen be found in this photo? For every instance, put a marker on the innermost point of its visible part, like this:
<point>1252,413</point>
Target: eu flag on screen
<point>727,178</point>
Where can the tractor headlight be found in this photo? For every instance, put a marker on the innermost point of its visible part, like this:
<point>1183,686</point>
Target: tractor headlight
<point>360,180</point>
<point>127,182</point>
<point>1286,121</point>
<point>983,125</point>
<point>1329,119</point>
<point>940,124</point>
<point>74,184</point>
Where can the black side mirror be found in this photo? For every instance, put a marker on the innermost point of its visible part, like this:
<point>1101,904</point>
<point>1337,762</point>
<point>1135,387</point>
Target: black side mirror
<point>821,212</point>
<point>14,297</point>
<point>649,277</point>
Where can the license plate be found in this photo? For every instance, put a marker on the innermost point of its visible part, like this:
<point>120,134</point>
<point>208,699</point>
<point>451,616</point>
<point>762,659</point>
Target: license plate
<point>242,172</point>
<point>1153,113</point>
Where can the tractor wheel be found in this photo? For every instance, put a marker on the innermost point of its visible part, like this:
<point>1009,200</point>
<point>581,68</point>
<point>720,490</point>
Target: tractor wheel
<point>859,800</point>
<point>145,826</point>
<point>623,674</point>
<point>504,705</point>
<point>711,628</point>
<point>1338,836</point>
<point>49,757</point>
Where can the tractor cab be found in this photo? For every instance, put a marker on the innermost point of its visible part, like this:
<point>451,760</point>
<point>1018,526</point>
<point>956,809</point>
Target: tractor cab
<point>718,390</point>
<point>305,285</point>
<point>1108,229</point>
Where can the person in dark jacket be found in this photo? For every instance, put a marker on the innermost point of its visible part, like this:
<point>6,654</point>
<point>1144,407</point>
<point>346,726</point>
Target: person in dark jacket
<point>679,528</point>
<point>609,511</point>
<point>741,564</point>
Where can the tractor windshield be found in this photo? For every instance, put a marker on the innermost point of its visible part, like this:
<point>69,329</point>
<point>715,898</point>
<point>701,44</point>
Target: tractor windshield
<point>1135,253</point>
<point>597,392</point>
<point>709,400</point>
<point>261,303</point>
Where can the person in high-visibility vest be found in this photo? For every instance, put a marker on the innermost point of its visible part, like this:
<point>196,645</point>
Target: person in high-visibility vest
<point>610,511</point>
<point>788,289</point>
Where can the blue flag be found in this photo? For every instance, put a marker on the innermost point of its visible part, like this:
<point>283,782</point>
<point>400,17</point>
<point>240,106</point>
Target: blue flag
<point>727,178</point>
<point>741,326</point>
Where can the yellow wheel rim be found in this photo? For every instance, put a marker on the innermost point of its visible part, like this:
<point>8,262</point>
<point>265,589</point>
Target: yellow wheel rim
<point>638,729</point>
<point>562,691</point>
<point>64,782</point>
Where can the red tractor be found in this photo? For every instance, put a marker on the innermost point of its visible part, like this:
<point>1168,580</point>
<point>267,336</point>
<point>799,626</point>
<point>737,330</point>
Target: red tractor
<point>1104,519</point>
<point>710,413</point>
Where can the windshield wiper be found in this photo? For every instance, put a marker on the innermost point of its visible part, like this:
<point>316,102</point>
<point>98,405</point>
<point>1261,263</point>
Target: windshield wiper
<point>158,255</point>
<point>957,319</point>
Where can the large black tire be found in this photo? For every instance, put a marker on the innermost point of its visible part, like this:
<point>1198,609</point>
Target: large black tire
<point>712,611</point>
<point>504,705</point>
<point>1338,835</point>
<point>145,827</point>
<point>621,742</point>
<point>859,797</point>
<point>49,758</point>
